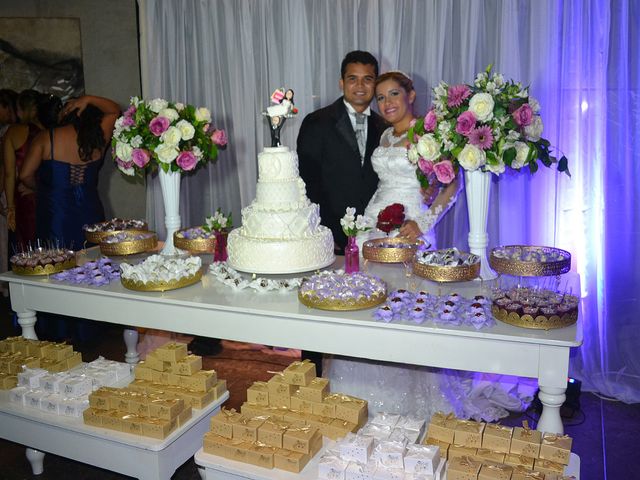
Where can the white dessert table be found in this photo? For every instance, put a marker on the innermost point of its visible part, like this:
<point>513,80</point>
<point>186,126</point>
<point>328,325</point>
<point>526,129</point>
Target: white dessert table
<point>211,309</point>
<point>140,457</point>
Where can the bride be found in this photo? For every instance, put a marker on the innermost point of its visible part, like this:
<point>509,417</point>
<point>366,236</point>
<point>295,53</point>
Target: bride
<point>397,388</point>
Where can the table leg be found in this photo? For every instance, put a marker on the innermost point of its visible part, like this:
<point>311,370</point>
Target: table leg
<point>202,472</point>
<point>131,341</point>
<point>27,321</point>
<point>36,459</point>
<point>552,399</point>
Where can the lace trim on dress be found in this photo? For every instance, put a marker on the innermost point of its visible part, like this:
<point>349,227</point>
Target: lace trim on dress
<point>388,139</point>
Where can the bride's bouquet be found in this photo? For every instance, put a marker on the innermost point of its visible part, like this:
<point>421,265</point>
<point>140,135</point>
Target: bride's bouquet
<point>491,125</point>
<point>171,136</point>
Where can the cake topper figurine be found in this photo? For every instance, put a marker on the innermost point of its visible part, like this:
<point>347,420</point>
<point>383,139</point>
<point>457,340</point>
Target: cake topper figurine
<point>277,113</point>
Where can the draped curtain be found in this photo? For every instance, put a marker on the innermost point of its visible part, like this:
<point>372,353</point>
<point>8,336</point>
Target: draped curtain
<point>578,56</point>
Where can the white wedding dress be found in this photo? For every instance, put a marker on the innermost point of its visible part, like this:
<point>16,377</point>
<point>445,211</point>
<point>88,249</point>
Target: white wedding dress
<point>410,389</point>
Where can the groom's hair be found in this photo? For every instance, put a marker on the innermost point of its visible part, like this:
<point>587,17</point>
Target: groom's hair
<point>358,56</point>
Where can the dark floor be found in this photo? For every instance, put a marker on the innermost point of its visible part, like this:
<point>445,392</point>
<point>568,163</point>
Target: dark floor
<point>606,434</point>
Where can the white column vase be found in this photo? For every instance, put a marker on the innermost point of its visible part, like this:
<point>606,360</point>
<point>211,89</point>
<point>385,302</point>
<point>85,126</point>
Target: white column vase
<point>477,187</point>
<point>170,185</point>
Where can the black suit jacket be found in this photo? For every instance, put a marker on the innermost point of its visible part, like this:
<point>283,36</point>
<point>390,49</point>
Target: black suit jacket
<point>330,163</point>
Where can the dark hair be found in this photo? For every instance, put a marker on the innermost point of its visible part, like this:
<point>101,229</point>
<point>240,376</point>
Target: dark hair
<point>400,78</point>
<point>9,98</point>
<point>292,94</point>
<point>49,107</point>
<point>88,126</point>
<point>358,56</point>
<point>28,99</point>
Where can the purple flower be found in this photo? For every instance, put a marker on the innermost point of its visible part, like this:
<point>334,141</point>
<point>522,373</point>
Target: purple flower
<point>430,121</point>
<point>219,137</point>
<point>140,157</point>
<point>523,116</point>
<point>481,137</point>
<point>457,94</point>
<point>159,125</point>
<point>187,160</point>
<point>131,111</point>
<point>123,164</point>
<point>128,122</point>
<point>466,122</point>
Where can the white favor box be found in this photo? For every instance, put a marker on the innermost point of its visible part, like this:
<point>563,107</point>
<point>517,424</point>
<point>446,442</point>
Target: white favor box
<point>357,471</point>
<point>386,473</point>
<point>32,398</point>
<point>356,448</point>
<point>51,403</point>
<point>385,419</point>
<point>422,459</point>
<point>411,422</point>
<point>379,432</point>
<point>51,383</point>
<point>17,395</point>
<point>390,454</point>
<point>73,407</point>
<point>75,386</point>
<point>402,434</point>
<point>331,467</point>
<point>30,377</point>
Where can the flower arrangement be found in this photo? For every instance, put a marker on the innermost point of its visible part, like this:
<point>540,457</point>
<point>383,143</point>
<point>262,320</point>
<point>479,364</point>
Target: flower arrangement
<point>218,222</point>
<point>172,136</point>
<point>391,217</point>
<point>490,125</point>
<point>352,225</point>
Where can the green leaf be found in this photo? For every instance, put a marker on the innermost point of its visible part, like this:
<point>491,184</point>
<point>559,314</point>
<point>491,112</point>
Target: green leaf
<point>508,156</point>
<point>422,178</point>
<point>563,165</point>
<point>533,167</point>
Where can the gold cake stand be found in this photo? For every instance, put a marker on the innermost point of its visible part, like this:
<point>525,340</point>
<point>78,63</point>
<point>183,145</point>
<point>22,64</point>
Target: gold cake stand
<point>523,268</point>
<point>49,269</point>
<point>439,273</point>
<point>539,322</point>
<point>162,286</point>
<point>313,301</point>
<point>375,251</point>
<point>194,244</point>
<point>130,247</point>
<point>97,237</point>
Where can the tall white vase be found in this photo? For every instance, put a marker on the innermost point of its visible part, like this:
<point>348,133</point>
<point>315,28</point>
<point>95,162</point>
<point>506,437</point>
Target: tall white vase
<point>477,187</point>
<point>170,184</point>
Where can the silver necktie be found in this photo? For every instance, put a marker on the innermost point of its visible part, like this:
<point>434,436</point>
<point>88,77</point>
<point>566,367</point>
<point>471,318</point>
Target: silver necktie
<point>361,125</point>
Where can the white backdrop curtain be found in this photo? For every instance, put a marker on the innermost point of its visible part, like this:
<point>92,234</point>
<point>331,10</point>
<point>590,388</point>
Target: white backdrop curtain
<point>579,56</point>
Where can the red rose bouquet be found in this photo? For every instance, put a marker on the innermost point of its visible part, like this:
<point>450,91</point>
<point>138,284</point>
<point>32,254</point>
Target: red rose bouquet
<point>391,217</point>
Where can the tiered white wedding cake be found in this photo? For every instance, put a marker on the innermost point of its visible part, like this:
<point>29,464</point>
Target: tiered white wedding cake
<point>281,231</point>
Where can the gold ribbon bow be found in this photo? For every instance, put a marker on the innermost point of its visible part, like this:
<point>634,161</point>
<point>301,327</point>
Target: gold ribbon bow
<point>344,398</point>
<point>497,426</point>
<point>281,374</point>
<point>260,384</point>
<point>553,438</point>
<point>299,363</point>
<point>527,432</point>
<point>468,462</point>
<point>228,412</point>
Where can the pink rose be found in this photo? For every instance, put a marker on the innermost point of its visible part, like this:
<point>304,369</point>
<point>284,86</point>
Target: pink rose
<point>123,164</point>
<point>425,166</point>
<point>159,125</point>
<point>523,116</point>
<point>187,160</point>
<point>466,122</point>
<point>430,121</point>
<point>219,138</point>
<point>444,171</point>
<point>140,157</point>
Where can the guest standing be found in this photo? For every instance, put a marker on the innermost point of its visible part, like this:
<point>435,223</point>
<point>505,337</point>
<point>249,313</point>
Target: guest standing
<point>8,99</point>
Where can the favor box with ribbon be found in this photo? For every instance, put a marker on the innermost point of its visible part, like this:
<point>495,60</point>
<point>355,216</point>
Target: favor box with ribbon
<point>302,439</point>
<point>222,423</point>
<point>457,451</point>
<point>280,391</point>
<point>525,442</point>
<point>119,400</point>
<point>216,445</point>
<point>315,391</point>
<point>443,446</point>
<point>139,405</point>
<point>91,416</point>
<point>547,466</point>
<point>8,381</point>
<point>487,455</point>
<point>252,410</point>
<point>326,408</point>
<point>463,468</point>
<point>518,461</point>
<point>388,473</point>
<point>422,459</point>
<point>271,432</point>
<point>355,448</point>
<point>258,393</point>
<point>238,450</point>
<point>290,461</point>
<point>497,438</point>
<point>246,428</point>
<point>468,433</point>
<point>132,423</point>
<point>183,417</point>
<point>390,454</point>
<point>556,448</point>
<point>350,409</point>
<point>100,398</point>
<point>201,381</point>
<point>296,419</point>
<point>58,352</point>
<point>172,352</point>
<point>111,419</point>
<point>188,365</point>
<point>356,471</point>
<point>154,362</point>
<point>157,428</point>
<point>340,428</point>
<point>331,467</point>
<point>142,372</point>
<point>521,473</point>
<point>495,471</point>
<point>300,373</point>
<point>166,409</point>
<point>260,455</point>
<point>442,427</point>
<point>301,404</point>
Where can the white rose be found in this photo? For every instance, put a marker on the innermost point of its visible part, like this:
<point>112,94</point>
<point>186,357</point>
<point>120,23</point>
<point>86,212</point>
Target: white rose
<point>534,104</point>
<point>413,155</point>
<point>363,222</point>
<point>171,136</point>
<point>471,157</point>
<point>522,151</point>
<point>496,169</point>
<point>123,151</point>
<point>186,129</point>
<point>428,147</point>
<point>444,128</point>
<point>179,106</point>
<point>203,115</point>
<point>136,141</point>
<point>513,135</point>
<point>490,87</point>
<point>127,171</point>
<point>533,131</point>
<point>169,113</point>
<point>158,104</point>
<point>166,153</point>
<point>481,104</point>
<point>197,152</point>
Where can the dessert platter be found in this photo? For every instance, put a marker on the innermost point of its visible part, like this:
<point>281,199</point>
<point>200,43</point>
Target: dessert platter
<point>158,273</point>
<point>339,291</point>
<point>42,261</point>
<point>195,239</point>
<point>529,261</point>
<point>447,265</point>
<point>536,308</point>
<point>95,232</point>
<point>389,250</point>
<point>128,242</point>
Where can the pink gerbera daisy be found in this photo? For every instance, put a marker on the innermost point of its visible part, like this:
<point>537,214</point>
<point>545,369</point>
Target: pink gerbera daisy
<point>481,137</point>
<point>457,94</point>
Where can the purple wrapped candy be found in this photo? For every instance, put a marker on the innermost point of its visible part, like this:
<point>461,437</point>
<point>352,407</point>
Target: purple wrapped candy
<point>384,313</point>
<point>447,315</point>
<point>396,304</point>
<point>417,314</point>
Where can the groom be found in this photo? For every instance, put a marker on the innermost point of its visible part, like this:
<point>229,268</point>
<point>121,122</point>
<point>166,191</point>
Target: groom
<point>335,145</point>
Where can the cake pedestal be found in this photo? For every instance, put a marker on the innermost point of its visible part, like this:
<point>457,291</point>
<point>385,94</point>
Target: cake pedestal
<point>477,186</point>
<point>170,185</point>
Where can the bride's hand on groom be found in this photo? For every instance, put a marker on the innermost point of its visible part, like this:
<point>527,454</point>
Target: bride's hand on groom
<point>430,193</point>
<point>410,230</point>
